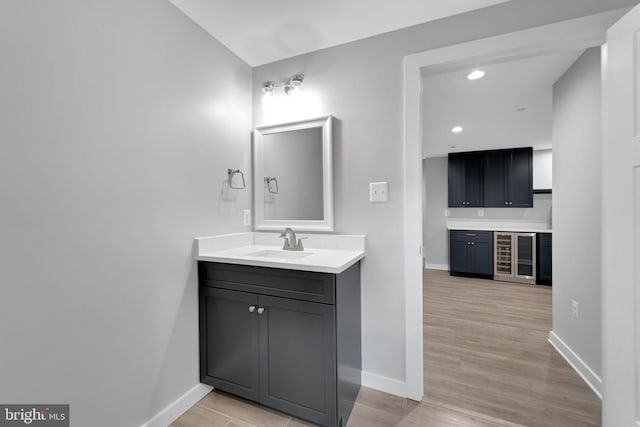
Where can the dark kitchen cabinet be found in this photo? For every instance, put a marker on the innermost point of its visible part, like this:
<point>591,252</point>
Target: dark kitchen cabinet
<point>287,339</point>
<point>508,180</point>
<point>543,274</point>
<point>466,179</point>
<point>471,253</point>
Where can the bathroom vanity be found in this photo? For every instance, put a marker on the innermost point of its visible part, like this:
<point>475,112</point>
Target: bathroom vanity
<point>282,328</point>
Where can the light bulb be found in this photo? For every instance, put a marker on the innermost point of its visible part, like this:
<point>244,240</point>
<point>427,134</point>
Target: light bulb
<point>476,74</point>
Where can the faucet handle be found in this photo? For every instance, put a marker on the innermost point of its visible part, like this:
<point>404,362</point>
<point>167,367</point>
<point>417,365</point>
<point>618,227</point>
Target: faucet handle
<point>299,246</point>
<point>286,242</point>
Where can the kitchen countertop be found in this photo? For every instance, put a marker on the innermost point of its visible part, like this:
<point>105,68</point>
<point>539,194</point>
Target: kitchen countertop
<point>516,227</point>
<point>323,253</point>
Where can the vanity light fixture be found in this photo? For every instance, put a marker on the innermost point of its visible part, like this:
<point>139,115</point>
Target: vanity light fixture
<point>457,129</point>
<point>475,75</point>
<point>267,87</point>
<point>291,86</point>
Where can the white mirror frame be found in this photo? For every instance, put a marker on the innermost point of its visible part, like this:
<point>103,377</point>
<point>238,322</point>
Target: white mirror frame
<point>326,225</point>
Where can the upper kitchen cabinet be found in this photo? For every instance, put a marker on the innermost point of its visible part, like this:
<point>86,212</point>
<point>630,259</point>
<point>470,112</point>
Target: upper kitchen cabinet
<point>508,179</point>
<point>466,180</point>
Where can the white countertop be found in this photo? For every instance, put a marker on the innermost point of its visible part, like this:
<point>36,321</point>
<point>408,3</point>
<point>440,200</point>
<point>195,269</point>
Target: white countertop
<point>324,253</point>
<point>517,227</point>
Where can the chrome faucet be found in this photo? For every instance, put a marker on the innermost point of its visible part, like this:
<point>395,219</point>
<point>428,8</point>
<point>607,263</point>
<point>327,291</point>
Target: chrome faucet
<point>290,241</point>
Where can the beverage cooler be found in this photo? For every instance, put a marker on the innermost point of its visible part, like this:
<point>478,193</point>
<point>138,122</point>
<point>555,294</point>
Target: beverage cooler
<point>514,257</point>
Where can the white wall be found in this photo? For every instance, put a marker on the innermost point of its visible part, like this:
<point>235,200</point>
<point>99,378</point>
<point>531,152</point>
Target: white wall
<point>360,83</point>
<point>118,121</point>
<point>542,169</point>
<point>576,207</point>
<point>435,238</point>
<point>434,222</point>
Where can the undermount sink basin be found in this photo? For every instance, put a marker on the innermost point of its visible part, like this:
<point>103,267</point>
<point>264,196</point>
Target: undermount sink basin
<point>280,254</point>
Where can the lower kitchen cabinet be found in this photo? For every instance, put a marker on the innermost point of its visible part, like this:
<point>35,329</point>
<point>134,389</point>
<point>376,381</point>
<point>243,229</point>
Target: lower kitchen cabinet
<point>287,339</point>
<point>471,253</point>
<point>543,274</point>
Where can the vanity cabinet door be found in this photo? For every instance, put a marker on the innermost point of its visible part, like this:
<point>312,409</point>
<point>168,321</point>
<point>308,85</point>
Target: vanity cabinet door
<point>298,358</point>
<point>229,355</point>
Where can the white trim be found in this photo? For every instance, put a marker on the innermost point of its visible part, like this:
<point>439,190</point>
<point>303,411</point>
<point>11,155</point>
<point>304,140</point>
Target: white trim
<point>443,267</point>
<point>572,34</point>
<point>385,384</point>
<point>578,365</point>
<point>181,405</point>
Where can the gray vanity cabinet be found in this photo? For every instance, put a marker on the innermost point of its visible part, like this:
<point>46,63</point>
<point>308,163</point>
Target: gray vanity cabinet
<point>297,358</point>
<point>227,317</point>
<point>287,339</point>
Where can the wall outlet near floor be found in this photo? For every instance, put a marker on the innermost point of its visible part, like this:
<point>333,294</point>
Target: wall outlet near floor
<point>480,212</point>
<point>575,309</point>
<point>246,217</point>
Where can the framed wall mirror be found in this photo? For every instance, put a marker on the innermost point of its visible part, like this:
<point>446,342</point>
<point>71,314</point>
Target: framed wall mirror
<point>293,175</point>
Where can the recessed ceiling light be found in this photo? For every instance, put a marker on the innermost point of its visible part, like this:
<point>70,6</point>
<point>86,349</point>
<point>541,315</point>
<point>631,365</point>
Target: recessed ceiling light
<point>475,75</point>
<point>457,129</point>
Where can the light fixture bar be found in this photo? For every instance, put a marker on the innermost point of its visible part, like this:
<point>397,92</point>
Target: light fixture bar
<point>291,85</point>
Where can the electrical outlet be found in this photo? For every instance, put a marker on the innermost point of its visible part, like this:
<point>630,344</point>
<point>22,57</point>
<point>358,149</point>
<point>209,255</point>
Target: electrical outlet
<point>447,212</point>
<point>575,309</point>
<point>246,217</point>
<point>480,212</point>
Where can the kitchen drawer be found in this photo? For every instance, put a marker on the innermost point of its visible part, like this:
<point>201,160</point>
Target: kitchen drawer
<point>472,235</point>
<point>300,285</point>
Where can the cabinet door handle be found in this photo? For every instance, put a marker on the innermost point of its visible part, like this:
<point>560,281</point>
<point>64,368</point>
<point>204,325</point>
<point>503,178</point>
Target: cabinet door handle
<point>252,308</point>
<point>472,243</point>
<point>260,310</point>
<point>506,203</point>
<point>510,203</point>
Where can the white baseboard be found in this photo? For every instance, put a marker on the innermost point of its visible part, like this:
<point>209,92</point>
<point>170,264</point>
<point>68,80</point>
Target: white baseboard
<point>444,267</point>
<point>587,374</point>
<point>385,384</point>
<point>178,407</point>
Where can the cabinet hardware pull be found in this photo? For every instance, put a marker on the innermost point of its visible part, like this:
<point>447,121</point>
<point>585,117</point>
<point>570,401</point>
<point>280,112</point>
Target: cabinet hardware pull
<point>471,235</point>
<point>260,310</point>
<point>252,308</point>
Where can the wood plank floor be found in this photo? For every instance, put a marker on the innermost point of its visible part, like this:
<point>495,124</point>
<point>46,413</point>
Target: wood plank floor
<point>487,363</point>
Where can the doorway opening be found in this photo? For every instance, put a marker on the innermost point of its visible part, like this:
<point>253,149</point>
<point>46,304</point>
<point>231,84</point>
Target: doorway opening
<point>558,38</point>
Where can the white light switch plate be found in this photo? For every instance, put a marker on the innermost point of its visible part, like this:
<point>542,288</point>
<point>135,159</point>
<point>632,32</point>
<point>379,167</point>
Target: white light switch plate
<point>378,192</point>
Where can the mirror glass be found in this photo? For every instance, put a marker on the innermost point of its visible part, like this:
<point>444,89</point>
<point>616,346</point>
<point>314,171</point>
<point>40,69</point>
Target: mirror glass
<point>292,176</point>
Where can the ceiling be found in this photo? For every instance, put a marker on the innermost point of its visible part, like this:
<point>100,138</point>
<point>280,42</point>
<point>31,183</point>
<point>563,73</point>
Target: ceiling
<point>261,31</point>
<point>490,109</point>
